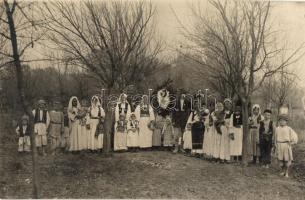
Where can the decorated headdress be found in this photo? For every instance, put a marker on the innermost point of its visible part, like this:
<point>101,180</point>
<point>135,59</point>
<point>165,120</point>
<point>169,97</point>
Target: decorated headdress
<point>227,100</point>
<point>163,98</point>
<point>122,95</point>
<point>217,105</point>
<point>256,106</point>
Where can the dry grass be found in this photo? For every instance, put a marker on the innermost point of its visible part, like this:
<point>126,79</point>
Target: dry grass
<point>143,175</point>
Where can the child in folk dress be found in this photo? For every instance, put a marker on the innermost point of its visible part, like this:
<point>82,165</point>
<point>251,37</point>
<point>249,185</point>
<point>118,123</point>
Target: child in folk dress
<point>120,134</point>
<point>23,132</point>
<point>187,138</point>
<point>168,135</point>
<point>266,131</point>
<point>133,133</point>
<point>284,138</point>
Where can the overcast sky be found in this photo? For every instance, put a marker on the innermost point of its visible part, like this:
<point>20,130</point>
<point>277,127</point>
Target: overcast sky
<point>286,16</point>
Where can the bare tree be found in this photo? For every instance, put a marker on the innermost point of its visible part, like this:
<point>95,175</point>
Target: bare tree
<point>16,29</point>
<point>113,40</point>
<point>237,47</point>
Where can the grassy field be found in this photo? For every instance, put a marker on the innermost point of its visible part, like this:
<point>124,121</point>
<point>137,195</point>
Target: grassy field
<point>143,175</point>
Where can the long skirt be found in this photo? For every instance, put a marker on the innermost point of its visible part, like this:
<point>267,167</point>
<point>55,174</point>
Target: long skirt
<point>93,142</point>
<point>254,142</point>
<point>145,134</point>
<point>132,138</point>
<point>120,141</point>
<point>197,135</point>
<point>83,137</point>
<point>236,144</point>
<point>74,144</point>
<point>156,136</point>
<point>168,137</point>
<point>284,152</point>
<point>225,144</point>
<point>216,143</point>
<point>187,139</point>
<point>208,142</point>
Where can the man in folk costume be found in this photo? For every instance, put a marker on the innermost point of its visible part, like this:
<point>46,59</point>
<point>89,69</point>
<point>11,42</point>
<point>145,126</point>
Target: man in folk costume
<point>237,137</point>
<point>23,132</point>
<point>254,121</point>
<point>122,107</point>
<point>145,114</point>
<point>284,138</point>
<point>41,124</point>
<point>161,114</point>
<point>56,128</point>
<point>180,117</point>
<point>95,125</point>
<point>74,109</point>
<point>266,131</point>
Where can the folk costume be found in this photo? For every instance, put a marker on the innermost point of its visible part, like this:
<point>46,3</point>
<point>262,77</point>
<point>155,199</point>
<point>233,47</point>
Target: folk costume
<point>162,112</point>
<point>84,130</point>
<point>168,133</point>
<point>226,131</point>
<point>254,122</point>
<point>41,124</point>
<point>23,132</point>
<point>74,109</point>
<point>145,114</point>
<point>122,107</point>
<point>237,140</point>
<point>180,117</point>
<point>120,134</point>
<point>218,119</point>
<point>95,123</point>
<point>208,141</point>
<point>133,132</point>
<point>266,131</point>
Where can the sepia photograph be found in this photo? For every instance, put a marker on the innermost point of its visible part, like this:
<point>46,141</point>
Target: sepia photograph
<point>152,99</point>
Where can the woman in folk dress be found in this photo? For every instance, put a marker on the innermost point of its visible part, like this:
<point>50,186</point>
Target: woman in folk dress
<point>218,121</point>
<point>74,108</point>
<point>226,130</point>
<point>237,141</point>
<point>96,115</point>
<point>208,138</point>
<point>84,131</point>
<point>145,114</point>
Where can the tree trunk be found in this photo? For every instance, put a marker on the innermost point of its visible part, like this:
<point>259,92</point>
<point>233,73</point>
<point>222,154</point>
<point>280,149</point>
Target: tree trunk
<point>108,125</point>
<point>21,91</point>
<point>245,114</point>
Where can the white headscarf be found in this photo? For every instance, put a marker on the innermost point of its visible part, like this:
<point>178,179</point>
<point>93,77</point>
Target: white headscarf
<point>163,101</point>
<point>120,97</point>
<point>258,107</point>
<point>98,101</point>
<point>78,106</point>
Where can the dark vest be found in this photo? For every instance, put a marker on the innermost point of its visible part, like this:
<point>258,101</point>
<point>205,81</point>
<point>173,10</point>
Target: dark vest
<point>125,109</point>
<point>262,134</point>
<point>144,112</point>
<point>228,115</point>
<point>237,120</point>
<point>37,116</point>
<point>27,131</point>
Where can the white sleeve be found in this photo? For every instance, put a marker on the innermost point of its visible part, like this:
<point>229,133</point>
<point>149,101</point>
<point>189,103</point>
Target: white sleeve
<point>102,112</point>
<point>116,114</point>
<point>137,112</point>
<point>128,112</point>
<point>151,114</point>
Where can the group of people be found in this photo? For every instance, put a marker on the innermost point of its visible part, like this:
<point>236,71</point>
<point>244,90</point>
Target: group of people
<point>190,127</point>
